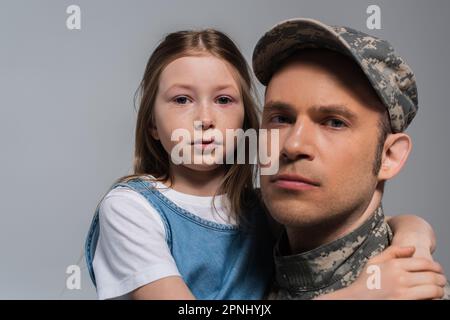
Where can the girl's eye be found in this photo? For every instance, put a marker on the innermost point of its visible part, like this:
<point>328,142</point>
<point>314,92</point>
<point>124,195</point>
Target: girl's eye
<point>181,100</point>
<point>335,123</point>
<point>224,100</point>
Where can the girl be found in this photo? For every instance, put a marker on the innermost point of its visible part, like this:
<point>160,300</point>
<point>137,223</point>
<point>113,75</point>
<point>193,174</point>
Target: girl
<point>195,229</point>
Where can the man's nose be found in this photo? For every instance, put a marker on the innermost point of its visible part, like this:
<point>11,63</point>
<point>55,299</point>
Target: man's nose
<point>299,143</point>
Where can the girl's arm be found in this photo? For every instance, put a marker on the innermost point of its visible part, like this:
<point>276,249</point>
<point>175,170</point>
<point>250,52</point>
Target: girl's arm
<point>410,230</point>
<point>169,288</point>
<point>132,255</point>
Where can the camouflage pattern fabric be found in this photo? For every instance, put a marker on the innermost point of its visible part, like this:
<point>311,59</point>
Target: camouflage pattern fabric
<point>332,266</point>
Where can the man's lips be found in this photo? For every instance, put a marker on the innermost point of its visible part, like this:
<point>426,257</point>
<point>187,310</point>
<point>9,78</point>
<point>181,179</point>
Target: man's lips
<point>294,182</point>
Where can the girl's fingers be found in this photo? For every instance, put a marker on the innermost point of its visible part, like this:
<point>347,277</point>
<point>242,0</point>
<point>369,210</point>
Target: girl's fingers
<point>393,252</point>
<point>426,278</point>
<point>425,292</point>
<point>419,264</point>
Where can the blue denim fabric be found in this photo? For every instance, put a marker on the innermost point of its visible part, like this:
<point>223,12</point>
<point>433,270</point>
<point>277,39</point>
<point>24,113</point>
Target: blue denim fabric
<point>216,261</point>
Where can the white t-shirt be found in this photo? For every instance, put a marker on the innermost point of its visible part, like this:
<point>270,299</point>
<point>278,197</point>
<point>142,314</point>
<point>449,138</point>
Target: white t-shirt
<point>132,250</point>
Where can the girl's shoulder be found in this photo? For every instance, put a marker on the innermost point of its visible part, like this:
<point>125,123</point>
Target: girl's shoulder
<point>121,199</point>
<point>125,196</point>
<point>124,206</point>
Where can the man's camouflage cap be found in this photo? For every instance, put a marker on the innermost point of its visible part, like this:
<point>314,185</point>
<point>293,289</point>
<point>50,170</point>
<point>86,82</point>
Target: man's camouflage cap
<point>389,75</point>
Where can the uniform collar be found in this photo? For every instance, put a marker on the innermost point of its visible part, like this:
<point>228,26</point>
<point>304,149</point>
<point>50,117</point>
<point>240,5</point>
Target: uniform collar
<point>321,267</point>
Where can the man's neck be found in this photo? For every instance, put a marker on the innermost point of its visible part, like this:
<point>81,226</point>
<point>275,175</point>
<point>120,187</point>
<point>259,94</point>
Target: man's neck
<point>302,239</point>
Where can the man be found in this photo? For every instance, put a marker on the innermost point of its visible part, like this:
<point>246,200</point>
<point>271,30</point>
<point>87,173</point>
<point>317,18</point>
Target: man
<point>341,101</point>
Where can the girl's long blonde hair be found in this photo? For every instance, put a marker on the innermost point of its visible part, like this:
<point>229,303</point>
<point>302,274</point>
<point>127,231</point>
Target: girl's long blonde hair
<point>150,158</point>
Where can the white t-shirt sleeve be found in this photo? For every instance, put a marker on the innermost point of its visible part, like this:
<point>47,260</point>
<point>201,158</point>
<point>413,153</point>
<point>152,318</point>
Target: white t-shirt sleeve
<point>131,250</point>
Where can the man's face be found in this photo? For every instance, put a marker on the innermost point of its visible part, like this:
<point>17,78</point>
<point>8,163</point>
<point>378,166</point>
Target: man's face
<point>328,120</point>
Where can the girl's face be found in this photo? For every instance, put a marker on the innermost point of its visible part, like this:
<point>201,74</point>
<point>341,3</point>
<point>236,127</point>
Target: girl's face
<point>201,95</point>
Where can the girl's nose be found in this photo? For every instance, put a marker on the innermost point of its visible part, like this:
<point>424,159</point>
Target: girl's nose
<point>204,124</point>
<point>205,117</point>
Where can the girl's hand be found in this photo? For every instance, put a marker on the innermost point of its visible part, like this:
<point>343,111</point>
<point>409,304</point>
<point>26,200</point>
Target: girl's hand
<point>410,230</point>
<point>401,276</point>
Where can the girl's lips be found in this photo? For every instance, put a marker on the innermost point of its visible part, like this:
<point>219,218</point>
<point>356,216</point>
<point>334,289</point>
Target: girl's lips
<point>203,143</point>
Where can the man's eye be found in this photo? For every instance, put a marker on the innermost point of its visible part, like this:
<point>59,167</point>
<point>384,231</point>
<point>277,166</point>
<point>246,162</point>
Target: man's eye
<point>279,119</point>
<point>335,123</point>
<point>181,100</point>
<point>224,100</point>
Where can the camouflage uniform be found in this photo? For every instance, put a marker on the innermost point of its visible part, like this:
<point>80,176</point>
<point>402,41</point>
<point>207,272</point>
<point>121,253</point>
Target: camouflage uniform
<point>332,266</point>
<point>336,265</point>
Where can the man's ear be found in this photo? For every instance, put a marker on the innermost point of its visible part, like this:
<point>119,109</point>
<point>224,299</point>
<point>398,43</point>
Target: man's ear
<point>395,153</point>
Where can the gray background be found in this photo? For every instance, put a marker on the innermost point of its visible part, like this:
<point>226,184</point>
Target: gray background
<point>67,117</point>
